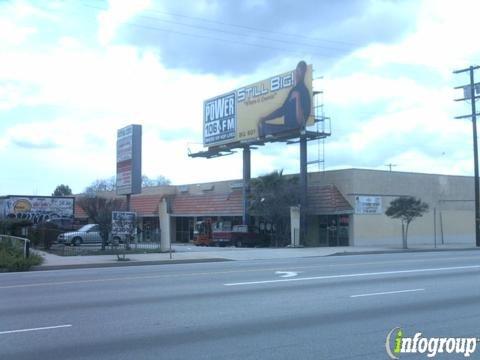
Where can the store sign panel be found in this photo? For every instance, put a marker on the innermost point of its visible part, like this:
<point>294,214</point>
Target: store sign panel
<point>129,159</point>
<point>368,205</point>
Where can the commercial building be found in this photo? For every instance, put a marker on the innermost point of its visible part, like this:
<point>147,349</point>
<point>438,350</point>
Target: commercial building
<point>345,207</point>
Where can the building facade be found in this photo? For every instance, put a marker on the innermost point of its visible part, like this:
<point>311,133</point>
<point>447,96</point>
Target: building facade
<point>345,208</point>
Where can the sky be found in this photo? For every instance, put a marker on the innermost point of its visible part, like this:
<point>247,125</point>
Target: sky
<point>73,72</point>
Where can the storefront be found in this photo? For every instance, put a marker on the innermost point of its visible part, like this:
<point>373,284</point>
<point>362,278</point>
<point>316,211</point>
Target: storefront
<point>345,208</point>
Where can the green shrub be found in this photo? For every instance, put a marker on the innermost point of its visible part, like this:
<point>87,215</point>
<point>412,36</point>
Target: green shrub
<point>11,258</point>
<point>44,235</point>
<point>12,226</point>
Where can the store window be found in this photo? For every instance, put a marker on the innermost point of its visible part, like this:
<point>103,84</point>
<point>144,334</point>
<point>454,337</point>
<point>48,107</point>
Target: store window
<point>184,229</point>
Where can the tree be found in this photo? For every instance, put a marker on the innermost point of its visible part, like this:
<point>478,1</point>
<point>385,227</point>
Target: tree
<point>158,181</point>
<point>101,185</point>
<point>99,211</point>
<point>407,209</point>
<point>62,190</point>
<point>271,197</point>
<point>110,184</point>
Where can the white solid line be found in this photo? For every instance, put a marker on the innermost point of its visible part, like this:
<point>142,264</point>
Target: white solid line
<point>353,275</point>
<point>34,329</point>
<point>387,293</point>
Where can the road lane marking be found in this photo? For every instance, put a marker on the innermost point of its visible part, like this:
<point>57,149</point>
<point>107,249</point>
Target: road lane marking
<point>35,329</point>
<point>139,277</point>
<point>286,274</point>
<point>386,293</point>
<point>325,277</point>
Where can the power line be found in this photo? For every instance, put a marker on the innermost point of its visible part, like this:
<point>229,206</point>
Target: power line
<point>149,27</point>
<point>155,11</point>
<point>226,31</point>
<point>298,44</point>
<point>230,41</point>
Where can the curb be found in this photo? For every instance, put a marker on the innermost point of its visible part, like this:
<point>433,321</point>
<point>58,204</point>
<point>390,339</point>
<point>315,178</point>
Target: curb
<point>399,251</point>
<point>125,263</point>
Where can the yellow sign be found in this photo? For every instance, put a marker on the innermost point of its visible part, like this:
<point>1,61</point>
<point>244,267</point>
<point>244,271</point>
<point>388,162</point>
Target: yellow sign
<point>277,106</point>
<point>22,206</point>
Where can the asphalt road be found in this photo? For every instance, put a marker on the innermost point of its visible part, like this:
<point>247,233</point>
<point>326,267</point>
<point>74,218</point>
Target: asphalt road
<point>339,307</point>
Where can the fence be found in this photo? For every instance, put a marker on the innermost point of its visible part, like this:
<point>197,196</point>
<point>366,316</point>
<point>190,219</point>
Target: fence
<point>18,242</point>
<point>91,244</point>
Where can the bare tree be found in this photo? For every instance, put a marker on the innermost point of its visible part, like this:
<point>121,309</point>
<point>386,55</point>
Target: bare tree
<point>158,181</point>
<point>99,211</point>
<point>101,185</point>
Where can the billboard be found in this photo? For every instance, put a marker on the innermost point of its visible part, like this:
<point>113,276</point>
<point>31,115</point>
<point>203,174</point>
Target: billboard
<point>129,160</point>
<point>368,205</point>
<point>124,223</point>
<point>278,106</point>
<point>37,209</point>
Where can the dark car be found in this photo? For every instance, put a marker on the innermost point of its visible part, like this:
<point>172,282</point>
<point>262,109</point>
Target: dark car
<point>64,223</point>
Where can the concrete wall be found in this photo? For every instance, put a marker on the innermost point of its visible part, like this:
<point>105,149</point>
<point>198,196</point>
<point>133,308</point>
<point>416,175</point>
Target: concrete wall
<point>450,198</point>
<point>456,227</point>
<point>453,226</point>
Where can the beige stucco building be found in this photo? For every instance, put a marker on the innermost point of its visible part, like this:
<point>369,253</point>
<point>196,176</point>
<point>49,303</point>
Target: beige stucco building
<point>345,207</point>
<point>450,218</point>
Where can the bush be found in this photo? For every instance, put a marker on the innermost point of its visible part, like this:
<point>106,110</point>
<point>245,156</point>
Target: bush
<point>44,235</point>
<point>12,226</point>
<point>11,258</point>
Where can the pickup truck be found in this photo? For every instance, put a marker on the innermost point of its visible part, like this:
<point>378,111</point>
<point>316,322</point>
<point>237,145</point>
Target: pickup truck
<point>240,236</point>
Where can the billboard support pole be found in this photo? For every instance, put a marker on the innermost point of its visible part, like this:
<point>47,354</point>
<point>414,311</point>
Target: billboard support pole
<point>246,185</point>
<point>128,202</point>
<point>303,188</point>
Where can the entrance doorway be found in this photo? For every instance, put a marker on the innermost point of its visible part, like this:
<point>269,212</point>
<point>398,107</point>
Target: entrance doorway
<point>333,230</point>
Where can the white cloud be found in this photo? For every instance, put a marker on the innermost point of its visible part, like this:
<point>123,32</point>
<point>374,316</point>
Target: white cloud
<point>11,34</point>
<point>117,14</point>
<point>444,38</point>
<point>398,118</point>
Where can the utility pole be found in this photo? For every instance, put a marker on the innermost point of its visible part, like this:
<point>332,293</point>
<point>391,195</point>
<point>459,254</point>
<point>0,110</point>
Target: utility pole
<point>390,166</point>
<point>469,94</point>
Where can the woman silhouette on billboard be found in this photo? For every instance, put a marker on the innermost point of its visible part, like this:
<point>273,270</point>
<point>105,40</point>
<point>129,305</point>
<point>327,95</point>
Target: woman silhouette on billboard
<point>295,110</point>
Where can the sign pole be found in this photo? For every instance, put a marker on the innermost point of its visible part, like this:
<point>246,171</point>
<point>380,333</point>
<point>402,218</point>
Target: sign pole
<point>246,185</point>
<point>303,188</point>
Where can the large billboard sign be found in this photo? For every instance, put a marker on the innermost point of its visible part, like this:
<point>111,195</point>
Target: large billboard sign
<point>278,106</point>
<point>129,160</point>
<point>37,209</point>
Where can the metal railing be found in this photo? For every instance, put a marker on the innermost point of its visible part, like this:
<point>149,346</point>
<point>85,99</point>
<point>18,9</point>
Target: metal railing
<point>91,244</point>
<point>19,242</point>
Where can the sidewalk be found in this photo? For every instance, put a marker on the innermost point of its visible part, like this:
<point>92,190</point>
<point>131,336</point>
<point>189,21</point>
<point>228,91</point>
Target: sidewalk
<point>187,253</point>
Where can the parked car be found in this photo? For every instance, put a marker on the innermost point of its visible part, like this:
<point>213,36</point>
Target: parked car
<point>88,234</point>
